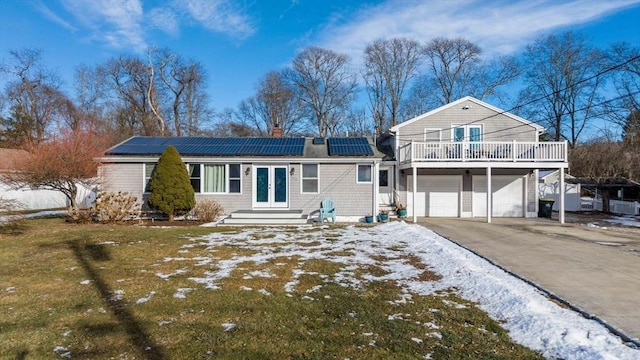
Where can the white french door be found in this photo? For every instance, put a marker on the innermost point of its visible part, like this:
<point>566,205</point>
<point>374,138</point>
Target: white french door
<point>270,186</point>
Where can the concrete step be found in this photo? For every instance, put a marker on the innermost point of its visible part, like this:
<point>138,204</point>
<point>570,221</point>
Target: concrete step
<point>267,214</point>
<point>266,221</point>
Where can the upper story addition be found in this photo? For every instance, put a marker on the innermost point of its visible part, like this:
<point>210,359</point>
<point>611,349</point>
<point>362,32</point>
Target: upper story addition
<point>473,134</point>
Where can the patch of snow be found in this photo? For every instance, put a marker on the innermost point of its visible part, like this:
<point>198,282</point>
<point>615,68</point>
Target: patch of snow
<point>625,221</point>
<point>264,292</point>
<point>166,322</point>
<point>146,298</point>
<point>10,289</point>
<point>596,226</point>
<point>228,326</point>
<point>181,293</point>
<point>436,335</point>
<point>117,295</point>
<point>86,282</point>
<point>417,340</point>
<point>608,243</point>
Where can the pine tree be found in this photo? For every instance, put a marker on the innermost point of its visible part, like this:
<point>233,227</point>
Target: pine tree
<point>171,191</point>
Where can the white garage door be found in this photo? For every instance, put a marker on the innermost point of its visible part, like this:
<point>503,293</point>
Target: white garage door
<point>438,195</point>
<point>507,197</point>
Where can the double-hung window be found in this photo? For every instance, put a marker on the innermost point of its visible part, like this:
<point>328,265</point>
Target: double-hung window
<point>310,178</point>
<point>364,174</point>
<point>148,170</point>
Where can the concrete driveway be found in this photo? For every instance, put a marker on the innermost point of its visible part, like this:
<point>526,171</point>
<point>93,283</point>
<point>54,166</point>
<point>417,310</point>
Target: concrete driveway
<point>593,269</point>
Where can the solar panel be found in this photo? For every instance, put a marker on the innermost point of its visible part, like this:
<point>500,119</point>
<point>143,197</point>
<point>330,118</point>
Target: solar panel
<point>201,146</point>
<point>349,147</point>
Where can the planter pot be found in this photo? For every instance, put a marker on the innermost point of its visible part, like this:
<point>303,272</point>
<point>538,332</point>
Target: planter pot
<point>383,217</point>
<point>368,219</point>
<point>402,213</point>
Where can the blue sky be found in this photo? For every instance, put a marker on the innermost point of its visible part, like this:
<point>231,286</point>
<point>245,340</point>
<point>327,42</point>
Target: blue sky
<point>238,41</point>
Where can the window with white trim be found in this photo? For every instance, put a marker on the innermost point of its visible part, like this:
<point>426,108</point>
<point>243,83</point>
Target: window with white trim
<point>364,174</point>
<point>432,135</point>
<point>215,178</point>
<point>310,179</point>
<point>148,171</point>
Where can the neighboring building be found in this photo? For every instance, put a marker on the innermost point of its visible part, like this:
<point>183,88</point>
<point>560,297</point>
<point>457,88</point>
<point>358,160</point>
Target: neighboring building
<point>442,163</point>
<point>272,173</point>
<point>450,158</point>
<point>549,188</point>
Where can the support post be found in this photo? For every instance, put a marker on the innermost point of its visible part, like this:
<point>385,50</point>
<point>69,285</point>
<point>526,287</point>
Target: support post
<point>414,178</point>
<point>562,191</point>
<point>489,195</point>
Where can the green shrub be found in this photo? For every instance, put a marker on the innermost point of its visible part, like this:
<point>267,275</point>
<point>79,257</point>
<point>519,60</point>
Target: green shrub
<point>207,210</point>
<point>170,187</point>
<point>115,207</point>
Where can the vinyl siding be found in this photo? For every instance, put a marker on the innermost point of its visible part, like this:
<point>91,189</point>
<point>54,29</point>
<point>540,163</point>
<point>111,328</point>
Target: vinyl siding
<point>495,127</point>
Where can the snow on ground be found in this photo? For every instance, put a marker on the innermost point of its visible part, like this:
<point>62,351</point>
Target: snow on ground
<point>531,319</point>
<point>625,221</point>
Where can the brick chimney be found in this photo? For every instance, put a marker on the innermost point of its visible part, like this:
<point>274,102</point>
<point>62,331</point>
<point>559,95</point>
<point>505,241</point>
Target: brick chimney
<point>276,131</point>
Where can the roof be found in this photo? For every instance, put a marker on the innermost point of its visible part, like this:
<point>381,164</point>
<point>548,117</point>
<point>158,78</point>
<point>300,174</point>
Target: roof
<point>247,147</point>
<point>8,158</point>
<point>460,101</point>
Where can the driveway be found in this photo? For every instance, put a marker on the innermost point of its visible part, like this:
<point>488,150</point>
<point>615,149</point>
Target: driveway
<point>595,270</point>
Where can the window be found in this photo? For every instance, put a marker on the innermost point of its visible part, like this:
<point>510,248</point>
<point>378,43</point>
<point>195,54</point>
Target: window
<point>148,170</point>
<point>194,177</point>
<point>364,173</point>
<point>310,178</point>
<point>384,177</point>
<point>215,178</point>
<point>471,133</point>
<point>234,178</point>
<point>432,135</point>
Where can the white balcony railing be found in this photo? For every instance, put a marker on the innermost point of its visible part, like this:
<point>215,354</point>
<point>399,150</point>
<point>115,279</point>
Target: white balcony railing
<point>513,151</point>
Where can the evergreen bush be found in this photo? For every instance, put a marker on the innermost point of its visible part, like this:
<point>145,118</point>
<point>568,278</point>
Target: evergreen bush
<point>170,188</point>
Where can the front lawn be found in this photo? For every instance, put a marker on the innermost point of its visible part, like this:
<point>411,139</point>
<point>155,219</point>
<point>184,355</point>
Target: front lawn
<point>125,292</point>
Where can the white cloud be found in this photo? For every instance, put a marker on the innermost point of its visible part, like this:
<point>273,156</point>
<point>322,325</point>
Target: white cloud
<point>44,10</point>
<point>116,22</point>
<point>163,19</point>
<point>219,15</point>
<point>498,27</point>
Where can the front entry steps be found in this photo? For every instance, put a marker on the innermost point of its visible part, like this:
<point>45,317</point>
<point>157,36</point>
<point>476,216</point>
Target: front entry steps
<point>267,217</point>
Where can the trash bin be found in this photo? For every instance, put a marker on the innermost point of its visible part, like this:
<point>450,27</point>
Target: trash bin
<point>545,207</point>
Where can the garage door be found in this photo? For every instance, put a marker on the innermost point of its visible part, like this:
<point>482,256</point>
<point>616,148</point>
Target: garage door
<point>507,195</point>
<point>437,196</point>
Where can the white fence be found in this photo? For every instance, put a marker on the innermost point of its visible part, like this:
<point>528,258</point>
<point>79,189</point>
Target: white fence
<point>619,207</point>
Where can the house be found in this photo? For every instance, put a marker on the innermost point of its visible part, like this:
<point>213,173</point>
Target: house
<point>442,163</point>
<point>549,188</point>
<point>450,159</point>
<point>268,174</point>
<point>27,198</point>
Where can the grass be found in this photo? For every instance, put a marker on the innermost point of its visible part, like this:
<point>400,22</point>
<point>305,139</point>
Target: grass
<point>92,291</point>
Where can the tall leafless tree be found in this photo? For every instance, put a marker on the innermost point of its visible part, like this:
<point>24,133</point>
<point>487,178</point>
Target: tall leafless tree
<point>33,97</point>
<point>389,67</point>
<point>455,69</point>
<point>325,83</point>
<point>275,103</point>
<point>563,82</point>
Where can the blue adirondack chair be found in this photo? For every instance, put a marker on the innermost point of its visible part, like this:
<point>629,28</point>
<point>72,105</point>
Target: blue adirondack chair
<point>327,210</point>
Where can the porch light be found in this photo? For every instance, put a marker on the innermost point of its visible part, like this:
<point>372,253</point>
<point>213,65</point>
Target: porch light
<point>246,171</point>
<point>292,171</point>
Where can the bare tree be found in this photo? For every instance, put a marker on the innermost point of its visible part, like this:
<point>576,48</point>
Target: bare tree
<point>59,164</point>
<point>275,103</point>
<point>34,98</point>
<point>228,125</point>
<point>324,82</point>
<point>624,59</point>
<point>127,79</point>
<point>184,79</point>
<point>389,67</point>
<point>455,69</point>
<point>563,80</point>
